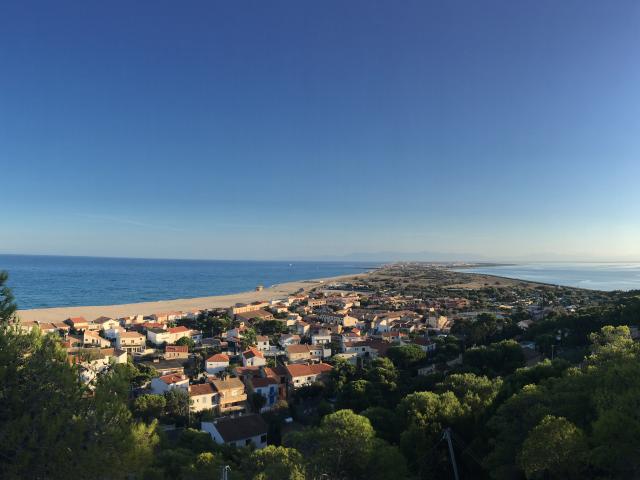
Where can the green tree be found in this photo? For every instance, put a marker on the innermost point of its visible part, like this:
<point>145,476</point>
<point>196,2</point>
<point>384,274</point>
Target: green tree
<point>612,343</point>
<point>42,407</point>
<point>177,404</point>
<point>186,341</point>
<point>555,448</point>
<point>7,304</point>
<point>341,447</point>
<point>423,417</point>
<point>270,327</point>
<point>358,395</point>
<point>386,461</point>
<point>476,393</point>
<point>385,423</point>
<point>509,427</point>
<point>121,446</point>
<point>501,358</point>
<point>405,356</point>
<point>45,409</point>
<point>342,372</point>
<point>384,375</point>
<point>483,329</point>
<point>149,406</point>
<point>275,463</point>
<point>248,338</point>
<point>219,325</point>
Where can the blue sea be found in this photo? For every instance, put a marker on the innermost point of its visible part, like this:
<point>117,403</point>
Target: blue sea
<point>54,281</point>
<point>592,276</point>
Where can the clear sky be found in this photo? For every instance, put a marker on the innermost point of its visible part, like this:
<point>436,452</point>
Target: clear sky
<point>272,129</point>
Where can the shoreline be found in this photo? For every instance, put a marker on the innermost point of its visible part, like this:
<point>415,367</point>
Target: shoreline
<point>90,312</point>
<point>538,283</point>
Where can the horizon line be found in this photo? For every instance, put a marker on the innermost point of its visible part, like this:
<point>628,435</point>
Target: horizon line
<point>309,260</point>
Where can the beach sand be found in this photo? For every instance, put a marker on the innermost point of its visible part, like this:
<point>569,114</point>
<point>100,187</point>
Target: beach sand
<point>184,304</point>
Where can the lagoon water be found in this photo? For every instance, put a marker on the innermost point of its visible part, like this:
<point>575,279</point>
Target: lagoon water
<point>593,276</point>
<point>54,281</point>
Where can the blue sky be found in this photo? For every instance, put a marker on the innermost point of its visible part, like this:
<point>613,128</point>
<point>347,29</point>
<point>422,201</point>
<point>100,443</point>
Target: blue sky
<point>255,129</point>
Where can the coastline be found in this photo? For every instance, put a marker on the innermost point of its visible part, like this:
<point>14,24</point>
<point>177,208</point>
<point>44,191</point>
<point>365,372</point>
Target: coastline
<point>57,314</point>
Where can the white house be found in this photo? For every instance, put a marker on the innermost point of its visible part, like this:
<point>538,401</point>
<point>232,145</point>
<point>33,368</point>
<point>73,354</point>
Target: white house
<point>106,323</point>
<point>196,336</point>
<point>268,388</point>
<point>253,358</point>
<point>302,375</point>
<point>131,342</point>
<point>201,397</point>
<point>158,336</point>
<point>322,337</point>
<point>262,342</point>
<point>93,362</point>
<point>289,339</point>
<point>112,333</point>
<point>239,431</point>
<point>165,383</point>
<point>216,363</point>
<point>425,344</point>
<point>92,339</point>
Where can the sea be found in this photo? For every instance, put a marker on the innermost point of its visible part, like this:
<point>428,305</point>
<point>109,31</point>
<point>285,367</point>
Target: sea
<point>57,281</point>
<point>592,276</point>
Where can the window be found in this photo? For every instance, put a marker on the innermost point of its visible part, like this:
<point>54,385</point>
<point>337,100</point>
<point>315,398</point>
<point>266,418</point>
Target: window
<point>247,441</point>
<point>263,439</point>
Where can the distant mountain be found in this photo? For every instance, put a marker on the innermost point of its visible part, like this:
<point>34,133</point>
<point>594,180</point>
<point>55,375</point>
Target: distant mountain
<point>431,256</point>
<point>390,256</point>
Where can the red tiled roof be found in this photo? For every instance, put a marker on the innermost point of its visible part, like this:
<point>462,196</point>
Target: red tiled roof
<point>303,348</point>
<point>201,389</point>
<point>252,352</point>
<point>178,330</point>
<point>177,348</point>
<point>247,371</point>
<point>154,325</point>
<point>78,320</point>
<point>259,382</point>
<point>296,370</point>
<point>218,357</point>
<point>275,372</point>
<point>172,378</point>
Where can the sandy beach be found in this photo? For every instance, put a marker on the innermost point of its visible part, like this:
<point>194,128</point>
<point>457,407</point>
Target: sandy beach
<point>183,304</point>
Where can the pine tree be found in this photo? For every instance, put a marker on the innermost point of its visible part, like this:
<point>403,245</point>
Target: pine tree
<point>7,304</point>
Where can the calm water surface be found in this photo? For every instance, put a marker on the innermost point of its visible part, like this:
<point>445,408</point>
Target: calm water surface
<point>52,281</point>
<point>593,276</point>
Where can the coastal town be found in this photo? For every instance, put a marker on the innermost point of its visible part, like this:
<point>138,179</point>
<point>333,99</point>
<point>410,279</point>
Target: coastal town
<point>232,368</point>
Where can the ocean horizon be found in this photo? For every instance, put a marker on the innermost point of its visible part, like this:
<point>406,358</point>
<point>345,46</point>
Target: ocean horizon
<point>47,281</point>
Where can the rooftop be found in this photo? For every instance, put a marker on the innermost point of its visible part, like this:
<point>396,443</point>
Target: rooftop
<point>201,389</point>
<point>227,384</point>
<point>240,428</point>
<point>218,357</point>
<point>296,370</point>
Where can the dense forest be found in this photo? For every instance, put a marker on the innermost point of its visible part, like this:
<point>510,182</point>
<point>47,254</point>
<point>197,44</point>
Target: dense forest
<point>560,419</point>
